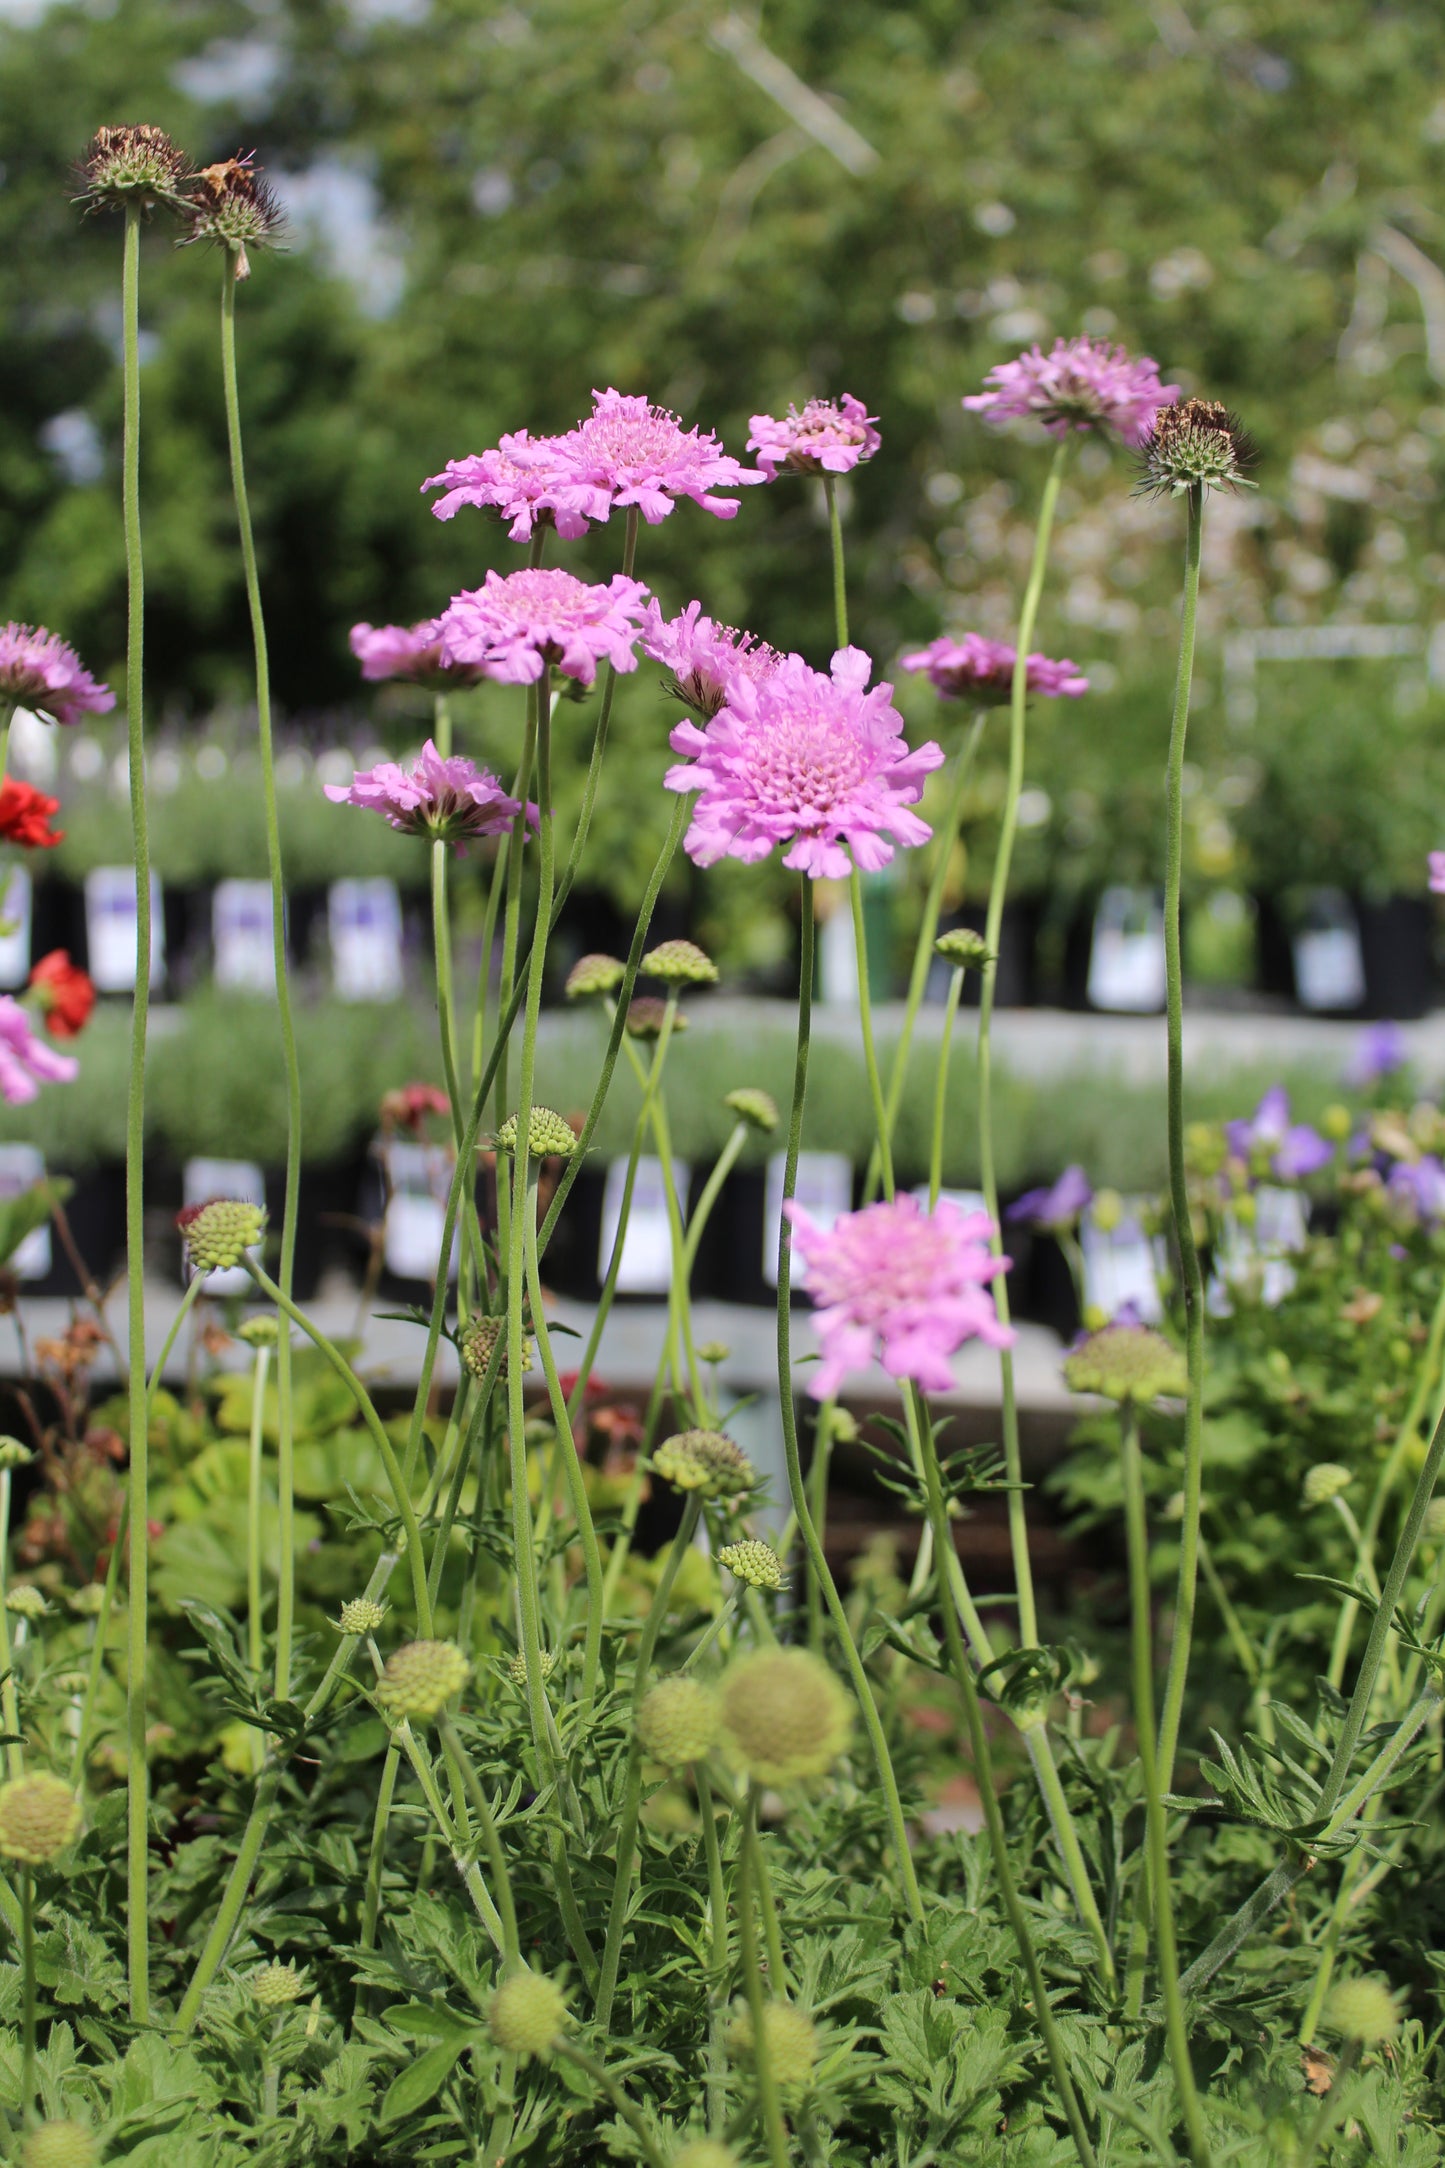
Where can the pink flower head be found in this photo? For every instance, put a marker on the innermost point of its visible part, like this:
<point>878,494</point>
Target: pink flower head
<point>509,627</point>
<point>983,671</point>
<point>522,479</point>
<point>704,657</point>
<point>25,1061</point>
<point>450,801</point>
<point>818,763</point>
<point>1082,384</point>
<point>410,652</point>
<point>1437,873</point>
<point>38,670</point>
<point>828,436</point>
<point>630,452</point>
<point>910,1284</point>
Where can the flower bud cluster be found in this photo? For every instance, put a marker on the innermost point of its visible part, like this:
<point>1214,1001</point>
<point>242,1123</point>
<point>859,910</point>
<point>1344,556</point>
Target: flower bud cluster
<point>421,1678</point>
<point>706,1461</point>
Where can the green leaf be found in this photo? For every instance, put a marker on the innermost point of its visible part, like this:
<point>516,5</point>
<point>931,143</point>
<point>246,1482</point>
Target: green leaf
<point>423,2079</point>
<point>20,1216</point>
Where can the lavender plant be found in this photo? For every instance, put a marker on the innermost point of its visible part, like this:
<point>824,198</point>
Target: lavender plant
<point>531,1847</point>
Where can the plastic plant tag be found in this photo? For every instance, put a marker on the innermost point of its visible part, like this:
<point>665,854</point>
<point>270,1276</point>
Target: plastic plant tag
<point>824,1189</point>
<point>967,1200</point>
<point>646,1263</point>
<point>364,924</point>
<point>1329,965</point>
<point>1122,1264</point>
<point>838,960</point>
<point>21,1167</point>
<point>1257,1257</point>
<point>202,1179</point>
<point>241,936</point>
<point>110,928</point>
<point>1126,960</point>
<point>15,896</point>
<point>419,1178</point>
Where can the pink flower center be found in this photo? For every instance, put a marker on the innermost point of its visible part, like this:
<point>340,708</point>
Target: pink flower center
<point>877,1270</point>
<point>535,595</point>
<point>808,765</point>
<point>642,441</point>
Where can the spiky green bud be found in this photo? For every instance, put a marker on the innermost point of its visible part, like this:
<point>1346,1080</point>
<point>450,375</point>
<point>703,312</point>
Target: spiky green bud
<point>361,1615</point>
<point>756,1563</point>
<point>963,948</point>
<point>218,1234</point>
<point>706,1461</point>
<point>275,1985</point>
<point>548,1136</point>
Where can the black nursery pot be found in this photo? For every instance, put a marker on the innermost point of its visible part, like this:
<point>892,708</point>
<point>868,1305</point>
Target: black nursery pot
<point>1397,947</point>
<point>95,1215</point>
<point>571,1265</point>
<point>1040,1285</point>
<point>730,1255</point>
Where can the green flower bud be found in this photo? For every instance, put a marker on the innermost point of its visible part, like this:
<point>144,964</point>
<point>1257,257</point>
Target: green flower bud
<point>62,2144</point>
<point>704,2153</point>
<point>479,1336</point>
<point>791,2039</point>
<point>548,1136</point>
<point>275,1985</point>
<point>39,1816</point>
<point>706,1461</point>
<point>1365,2009</point>
<point>90,1600</point>
<point>594,975</point>
<point>264,1330</point>
<point>646,1016</point>
<point>527,2013</point>
<point>963,948</point>
<point>1325,1481</point>
<point>517,1667</point>
<point>713,1351</point>
<point>421,1678</point>
<point>757,1108</point>
<point>785,1714</point>
<point>361,1615</point>
<point>1126,1363</point>
<point>678,1721</point>
<point>26,1602</point>
<point>679,963</point>
<point>13,1454</point>
<point>218,1234</point>
<point>756,1563</point>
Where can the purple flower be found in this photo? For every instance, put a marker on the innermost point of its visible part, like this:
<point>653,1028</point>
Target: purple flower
<point>1437,873</point>
<point>704,657</point>
<point>522,478</point>
<point>411,652</point>
<point>38,670</point>
<point>25,1061</point>
<point>1081,384</point>
<point>829,436</point>
<point>451,801</point>
<point>509,627</point>
<point>981,670</point>
<point>1419,1185</point>
<point>1379,1052</point>
<point>1054,1208</point>
<point>1269,1139</point>
<point>817,763</point>
<point>913,1285</point>
<point>630,452</point>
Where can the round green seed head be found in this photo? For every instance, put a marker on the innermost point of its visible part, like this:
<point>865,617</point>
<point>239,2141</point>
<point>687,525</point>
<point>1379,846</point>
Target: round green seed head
<point>421,1678</point>
<point>261,1331</point>
<point>548,1136</point>
<point>218,1234</point>
<point>791,2039</point>
<point>1365,2009</point>
<point>757,1108</point>
<point>1126,1363</point>
<point>13,1454</point>
<point>704,2153</point>
<point>479,1339</point>
<point>527,2013</point>
<point>706,1461</point>
<point>785,1714</point>
<point>678,1721</point>
<point>39,1816</point>
<point>275,1985</point>
<point>61,2144</point>
<point>361,1615</point>
<point>962,947</point>
<point>679,963</point>
<point>713,1351</point>
<point>26,1602</point>
<point>592,975</point>
<point>1325,1481</point>
<point>756,1563</point>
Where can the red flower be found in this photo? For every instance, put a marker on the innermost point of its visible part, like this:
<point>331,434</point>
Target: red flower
<point>24,812</point>
<point>66,994</point>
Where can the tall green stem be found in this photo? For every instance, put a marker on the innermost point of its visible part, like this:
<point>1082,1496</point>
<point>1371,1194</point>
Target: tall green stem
<point>998,892</point>
<point>138,1623</point>
<point>285,1270</point>
<point>1193,1278</point>
<point>27,1969</point>
<point>840,578</point>
<point>9,1698</point>
<point>255,1634</point>
<point>883,1143</point>
<point>768,2095</point>
<point>940,1086</point>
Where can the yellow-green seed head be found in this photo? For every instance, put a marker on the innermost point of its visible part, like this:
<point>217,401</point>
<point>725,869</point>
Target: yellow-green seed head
<point>713,1351</point>
<point>679,963</point>
<point>704,2153</point>
<point>756,1563</point>
<point>26,1602</point>
<point>260,1331</point>
<point>421,1678</point>
<point>791,2039</point>
<point>62,2144</point>
<point>1126,1363</point>
<point>594,975</point>
<point>275,1985</point>
<point>678,1721</point>
<point>963,948</point>
<point>479,1339</point>
<point>517,1668</point>
<point>361,1615</point>
<point>548,1136</point>
<point>646,1016</point>
<point>39,1816</point>
<point>785,1715</point>
<point>706,1461</point>
<point>757,1108</point>
<point>1365,2009</point>
<point>1325,1481</point>
<point>527,2013</point>
<point>13,1454</point>
<point>218,1234</point>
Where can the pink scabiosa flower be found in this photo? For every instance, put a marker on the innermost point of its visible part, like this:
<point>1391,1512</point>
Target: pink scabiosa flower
<point>704,657</point>
<point>818,763</point>
<point>451,801</point>
<point>982,671</point>
<point>828,436</point>
<point>1437,873</point>
<point>25,1061</point>
<point>522,479</point>
<point>908,1284</point>
<point>1080,384</point>
<point>39,671</point>
<point>631,452</point>
<point>410,652</point>
<point>508,628</point>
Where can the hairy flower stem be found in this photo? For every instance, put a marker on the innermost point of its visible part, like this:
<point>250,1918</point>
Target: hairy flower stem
<point>603,2077</point>
<point>717,1969</point>
<point>840,577</point>
<point>138,1622</point>
<point>96,1668</point>
<point>768,2096</point>
<point>883,1139</point>
<point>255,1635</point>
<point>940,1086</point>
<point>453,1836</point>
<point>797,1488</point>
<point>27,1975</point>
<point>632,1780</point>
<point>998,891</point>
<point>285,1270</point>
<point>993,1815</point>
<point>9,1701</point>
<point>376,1858</point>
<point>1161,1901</point>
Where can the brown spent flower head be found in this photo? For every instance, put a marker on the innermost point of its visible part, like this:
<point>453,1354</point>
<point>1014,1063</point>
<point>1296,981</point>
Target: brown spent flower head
<point>679,963</point>
<point>791,2038</point>
<point>479,1337</point>
<point>39,1816</point>
<point>1198,444</point>
<point>594,975</point>
<point>132,166</point>
<point>60,2144</point>
<point>218,1234</point>
<point>757,1108</point>
<point>756,1563</point>
<point>1126,1363</point>
<point>1367,2010</point>
<point>646,1015</point>
<point>27,1602</point>
<point>963,948</point>
<point>706,1461</point>
<point>548,1135</point>
<point>420,1679</point>
<point>361,1615</point>
<point>527,2014</point>
<point>786,1715</point>
<point>275,1985</point>
<point>231,205</point>
<point>678,1721</point>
